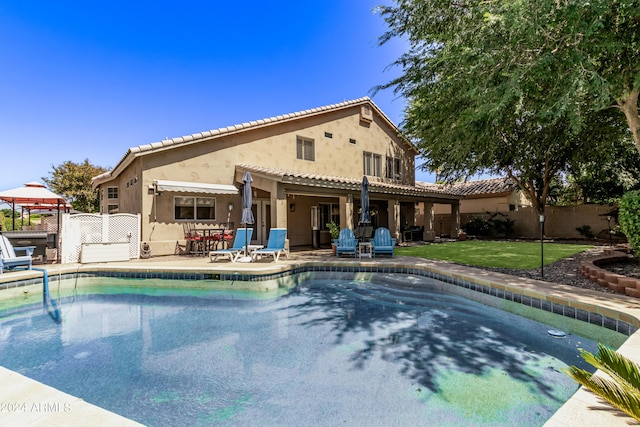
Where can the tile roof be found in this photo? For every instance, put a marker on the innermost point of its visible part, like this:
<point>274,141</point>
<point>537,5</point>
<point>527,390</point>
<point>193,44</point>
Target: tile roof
<point>169,143</point>
<point>345,183</point>
<point>474,188</point>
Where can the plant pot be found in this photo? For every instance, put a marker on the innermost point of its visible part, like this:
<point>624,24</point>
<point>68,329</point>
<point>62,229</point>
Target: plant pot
<point>462,236</point>
<point>333,248</point>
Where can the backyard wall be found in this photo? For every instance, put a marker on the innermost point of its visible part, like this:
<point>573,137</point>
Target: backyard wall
<point>560,222</point>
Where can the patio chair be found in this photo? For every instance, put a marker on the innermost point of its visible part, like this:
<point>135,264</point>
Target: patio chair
<point>382,243</point>
<point>275,245</point>
<point>346,243</point>
<point>8,258</point>
<point>243,235</point>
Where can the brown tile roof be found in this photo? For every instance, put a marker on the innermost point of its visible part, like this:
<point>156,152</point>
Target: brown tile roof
<point>344,183</point>
<point>474,188</point>
<point>169,143</point>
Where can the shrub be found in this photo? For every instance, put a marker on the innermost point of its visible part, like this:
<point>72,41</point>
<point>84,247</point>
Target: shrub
<point>629,217</point>
<point>477,227</point>
<point>492,227</point>
<point>585,231</point>
<point>502,227</point>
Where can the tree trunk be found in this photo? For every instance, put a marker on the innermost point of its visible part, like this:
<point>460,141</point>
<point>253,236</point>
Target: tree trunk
<point>629,106</point>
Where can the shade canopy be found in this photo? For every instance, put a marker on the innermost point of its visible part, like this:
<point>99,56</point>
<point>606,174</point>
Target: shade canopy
<point>194,187</point>
<point>33,195</point>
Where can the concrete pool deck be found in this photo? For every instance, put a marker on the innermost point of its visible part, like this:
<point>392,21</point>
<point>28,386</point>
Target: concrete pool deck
<point>27,402</point>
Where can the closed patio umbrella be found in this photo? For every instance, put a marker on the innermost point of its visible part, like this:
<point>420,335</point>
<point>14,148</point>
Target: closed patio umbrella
<point>365,218</point>
<point>247,214</point>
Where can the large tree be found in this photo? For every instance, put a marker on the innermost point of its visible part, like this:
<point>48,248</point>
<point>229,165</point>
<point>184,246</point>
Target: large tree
<point>73,181</point>
<point>516,88</point>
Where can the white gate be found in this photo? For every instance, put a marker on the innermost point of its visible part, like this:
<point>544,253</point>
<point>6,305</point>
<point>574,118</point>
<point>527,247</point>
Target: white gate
<point>100,238</point>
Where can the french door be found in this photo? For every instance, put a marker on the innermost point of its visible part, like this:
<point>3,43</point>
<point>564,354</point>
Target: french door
<point>262,221</point>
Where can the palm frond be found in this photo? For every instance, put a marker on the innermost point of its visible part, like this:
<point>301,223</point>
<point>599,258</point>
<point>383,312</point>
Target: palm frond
<point>608,390</point>
<point>622,390</point>
<point>616,366</point>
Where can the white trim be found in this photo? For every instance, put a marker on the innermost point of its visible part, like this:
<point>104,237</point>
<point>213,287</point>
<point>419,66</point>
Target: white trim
<point>194,187</point>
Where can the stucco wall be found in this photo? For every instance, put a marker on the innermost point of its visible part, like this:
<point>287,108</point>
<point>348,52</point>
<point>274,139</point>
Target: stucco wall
<point>560,222</point>
<point>214,161</point>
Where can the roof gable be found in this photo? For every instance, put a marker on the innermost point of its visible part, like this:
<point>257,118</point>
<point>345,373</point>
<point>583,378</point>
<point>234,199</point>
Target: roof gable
<point>171,143</point>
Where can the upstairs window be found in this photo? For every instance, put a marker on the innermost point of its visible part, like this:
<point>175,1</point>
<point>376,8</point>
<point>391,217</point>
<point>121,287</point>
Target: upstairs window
<point>112,192</point>
<point>394,169</point>
<point>305,149</point>
<point>372,164</point>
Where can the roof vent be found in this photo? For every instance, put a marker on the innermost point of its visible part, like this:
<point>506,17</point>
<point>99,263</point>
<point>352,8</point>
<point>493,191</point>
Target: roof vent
<point>366,114</point>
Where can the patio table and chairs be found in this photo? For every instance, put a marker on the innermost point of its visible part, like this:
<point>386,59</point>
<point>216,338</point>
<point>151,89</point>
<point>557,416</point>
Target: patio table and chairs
<point>202,240</point>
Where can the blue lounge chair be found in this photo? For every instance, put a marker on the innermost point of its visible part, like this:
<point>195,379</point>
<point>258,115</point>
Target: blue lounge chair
<point>275,245</point>
<point>382,242</point>
<point>8,258</point>
<point>346,243</point>
<point>242,236</point>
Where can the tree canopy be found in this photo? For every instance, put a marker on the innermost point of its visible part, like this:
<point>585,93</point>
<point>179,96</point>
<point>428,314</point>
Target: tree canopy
<point>73,181</point>
<point>516,88</point>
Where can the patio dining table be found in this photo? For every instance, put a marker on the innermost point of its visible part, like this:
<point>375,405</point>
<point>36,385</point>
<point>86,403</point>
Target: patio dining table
<point>210,239</point>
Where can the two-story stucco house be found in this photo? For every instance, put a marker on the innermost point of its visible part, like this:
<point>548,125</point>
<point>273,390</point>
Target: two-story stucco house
<point>307,167</point>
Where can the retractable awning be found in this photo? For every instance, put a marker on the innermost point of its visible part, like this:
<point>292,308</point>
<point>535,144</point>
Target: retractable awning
<point>194,187</point>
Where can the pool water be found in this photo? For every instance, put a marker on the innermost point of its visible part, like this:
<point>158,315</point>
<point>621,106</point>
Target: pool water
<point>325,353</point>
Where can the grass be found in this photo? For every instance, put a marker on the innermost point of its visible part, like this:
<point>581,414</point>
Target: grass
<point>483,253</point>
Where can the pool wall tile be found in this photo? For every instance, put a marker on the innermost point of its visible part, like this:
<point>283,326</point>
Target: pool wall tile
<point>287,277</point>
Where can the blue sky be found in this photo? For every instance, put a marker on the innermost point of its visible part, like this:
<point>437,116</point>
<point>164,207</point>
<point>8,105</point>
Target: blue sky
<point>89,79</point>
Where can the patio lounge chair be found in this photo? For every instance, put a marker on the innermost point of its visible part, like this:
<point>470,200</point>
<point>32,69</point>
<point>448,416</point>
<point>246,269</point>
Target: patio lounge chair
<point>382,242</point>
<point>242,236</point>
<point>346,243</point>
<point>275,245</point>
<point>8,258</point>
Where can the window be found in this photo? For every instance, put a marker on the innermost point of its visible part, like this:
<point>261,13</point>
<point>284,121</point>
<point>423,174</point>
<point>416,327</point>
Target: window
<point>329,212</point>
<point>305,149</point>
<point>352,141</point>
<point>112,192</point>
<point>328,135</point>
<point>194,208</point>
<point>112,209</point>
<point>394,169</point>
<point>372,164</point>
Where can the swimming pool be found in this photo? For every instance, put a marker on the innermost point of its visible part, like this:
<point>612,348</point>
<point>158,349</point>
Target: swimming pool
<point>329,351</point>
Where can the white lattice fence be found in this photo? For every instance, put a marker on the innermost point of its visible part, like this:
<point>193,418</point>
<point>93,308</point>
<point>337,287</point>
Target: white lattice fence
<point>83,230</point>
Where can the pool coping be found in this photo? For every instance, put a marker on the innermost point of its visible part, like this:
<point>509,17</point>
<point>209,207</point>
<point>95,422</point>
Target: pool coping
<point>612,311</point>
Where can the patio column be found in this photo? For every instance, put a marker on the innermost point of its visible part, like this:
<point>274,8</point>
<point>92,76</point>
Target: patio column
<point>393,211</point>
<point>279,208</point>
<point>349,211</point>
<point>429,234</point>
<point>346,211</point>
<point>455,219</point>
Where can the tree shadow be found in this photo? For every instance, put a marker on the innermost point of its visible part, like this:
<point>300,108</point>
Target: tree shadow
<point>426,333</point>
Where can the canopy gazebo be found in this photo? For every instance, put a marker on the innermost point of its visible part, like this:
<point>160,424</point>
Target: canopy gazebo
<point>34,195</point>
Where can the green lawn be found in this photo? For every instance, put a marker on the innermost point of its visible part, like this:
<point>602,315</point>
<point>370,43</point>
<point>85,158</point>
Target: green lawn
<point>483,253</point>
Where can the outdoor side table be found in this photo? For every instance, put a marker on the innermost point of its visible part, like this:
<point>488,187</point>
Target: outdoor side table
<point>364,250</point>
